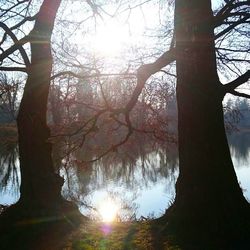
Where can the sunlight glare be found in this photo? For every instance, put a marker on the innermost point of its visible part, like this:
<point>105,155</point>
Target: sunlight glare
<point>110,38</point>
<point>108,210</point>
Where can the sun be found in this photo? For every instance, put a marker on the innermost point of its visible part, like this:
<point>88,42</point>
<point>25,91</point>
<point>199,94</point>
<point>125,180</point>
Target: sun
<point>110,38</point>
<point>108,210</point>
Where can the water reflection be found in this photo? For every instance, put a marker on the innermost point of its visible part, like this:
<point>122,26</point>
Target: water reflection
<point>9,172</point>
<point>131,176</point>
<point>139,178</point>
<point>240,145</point>
<point>240,151</point>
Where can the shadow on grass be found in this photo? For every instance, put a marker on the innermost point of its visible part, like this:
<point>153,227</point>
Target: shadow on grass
<point>22,229</point>
<point>116,236</point>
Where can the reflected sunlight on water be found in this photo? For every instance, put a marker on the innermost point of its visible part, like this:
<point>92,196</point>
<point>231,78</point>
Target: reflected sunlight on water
<point>114,191</point>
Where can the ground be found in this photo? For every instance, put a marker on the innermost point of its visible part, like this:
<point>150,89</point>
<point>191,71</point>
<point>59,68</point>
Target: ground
<point>118,236</point>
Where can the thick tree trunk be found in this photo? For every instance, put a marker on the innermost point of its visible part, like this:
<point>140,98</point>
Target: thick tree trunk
<point>41,216</point>
<point>208,196</point>
<point>40,186</point>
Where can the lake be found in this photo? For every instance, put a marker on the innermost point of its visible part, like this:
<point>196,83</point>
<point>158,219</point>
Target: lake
<point>135,184</point>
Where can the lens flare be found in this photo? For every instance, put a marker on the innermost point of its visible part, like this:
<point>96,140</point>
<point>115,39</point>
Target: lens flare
<point>108,210</point>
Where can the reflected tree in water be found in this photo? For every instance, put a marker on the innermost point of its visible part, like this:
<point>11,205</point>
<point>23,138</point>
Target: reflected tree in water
<point>240,145</point>
<point>9,168</point>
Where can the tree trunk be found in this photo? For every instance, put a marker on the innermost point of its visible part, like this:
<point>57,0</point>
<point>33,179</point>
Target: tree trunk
<point>208,196</point>
<point>40,185</point>
<point>41,217</point>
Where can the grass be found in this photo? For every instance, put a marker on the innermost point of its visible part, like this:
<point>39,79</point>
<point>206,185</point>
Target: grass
<point>117,236</point>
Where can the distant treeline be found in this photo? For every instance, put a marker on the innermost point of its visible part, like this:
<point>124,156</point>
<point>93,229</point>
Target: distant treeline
<point>237,114</point>
<point>237,111</point>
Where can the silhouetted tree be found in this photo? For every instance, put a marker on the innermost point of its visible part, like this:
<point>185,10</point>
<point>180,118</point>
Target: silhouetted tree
<point>40,191</point>
<point>209,203</point>
<point>207,191</point>
<point>9,89</point>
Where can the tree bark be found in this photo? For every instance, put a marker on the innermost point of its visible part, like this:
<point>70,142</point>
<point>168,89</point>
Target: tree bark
<point>40,186</point>
<point>208,196</point>
<point>41,212</point>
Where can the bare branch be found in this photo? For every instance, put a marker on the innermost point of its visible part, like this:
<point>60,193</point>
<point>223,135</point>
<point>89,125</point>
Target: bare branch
<point>24,20</point>
<point>225,11</point>
<point>82,76</point>
<point>117,145</point>
<point>224,8</point>
<point>4,11</point>
<point>147,70</point>
<point>236,93</point>
<point>14,47</point>
<point>231,86</point>
<point>21,69</point>
<point>15,40</point>
<point>232,26</point>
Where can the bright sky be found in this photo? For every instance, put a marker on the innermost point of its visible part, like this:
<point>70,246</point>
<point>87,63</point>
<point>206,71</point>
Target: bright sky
<point>107,36</point>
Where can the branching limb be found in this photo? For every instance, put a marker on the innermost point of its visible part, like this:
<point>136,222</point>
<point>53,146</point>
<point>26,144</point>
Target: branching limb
<point>147,70</point>
<point>225,11</point>
<point>231,86</point>
<point>14,47</point>
<point>236,93</point>
<point>16,42</point>
<point>4,11</point>
<point>24,20</point>
<point>114,147</point>
<point>82,76</point>
<point>232,26</point>
<point>20,69</point>
<point>143,73</point>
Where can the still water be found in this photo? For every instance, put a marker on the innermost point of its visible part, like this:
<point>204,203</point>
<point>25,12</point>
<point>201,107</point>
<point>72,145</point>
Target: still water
<point>132,187</point>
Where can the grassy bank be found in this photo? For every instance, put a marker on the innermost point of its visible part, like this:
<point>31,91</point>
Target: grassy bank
<point>141,235</point>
